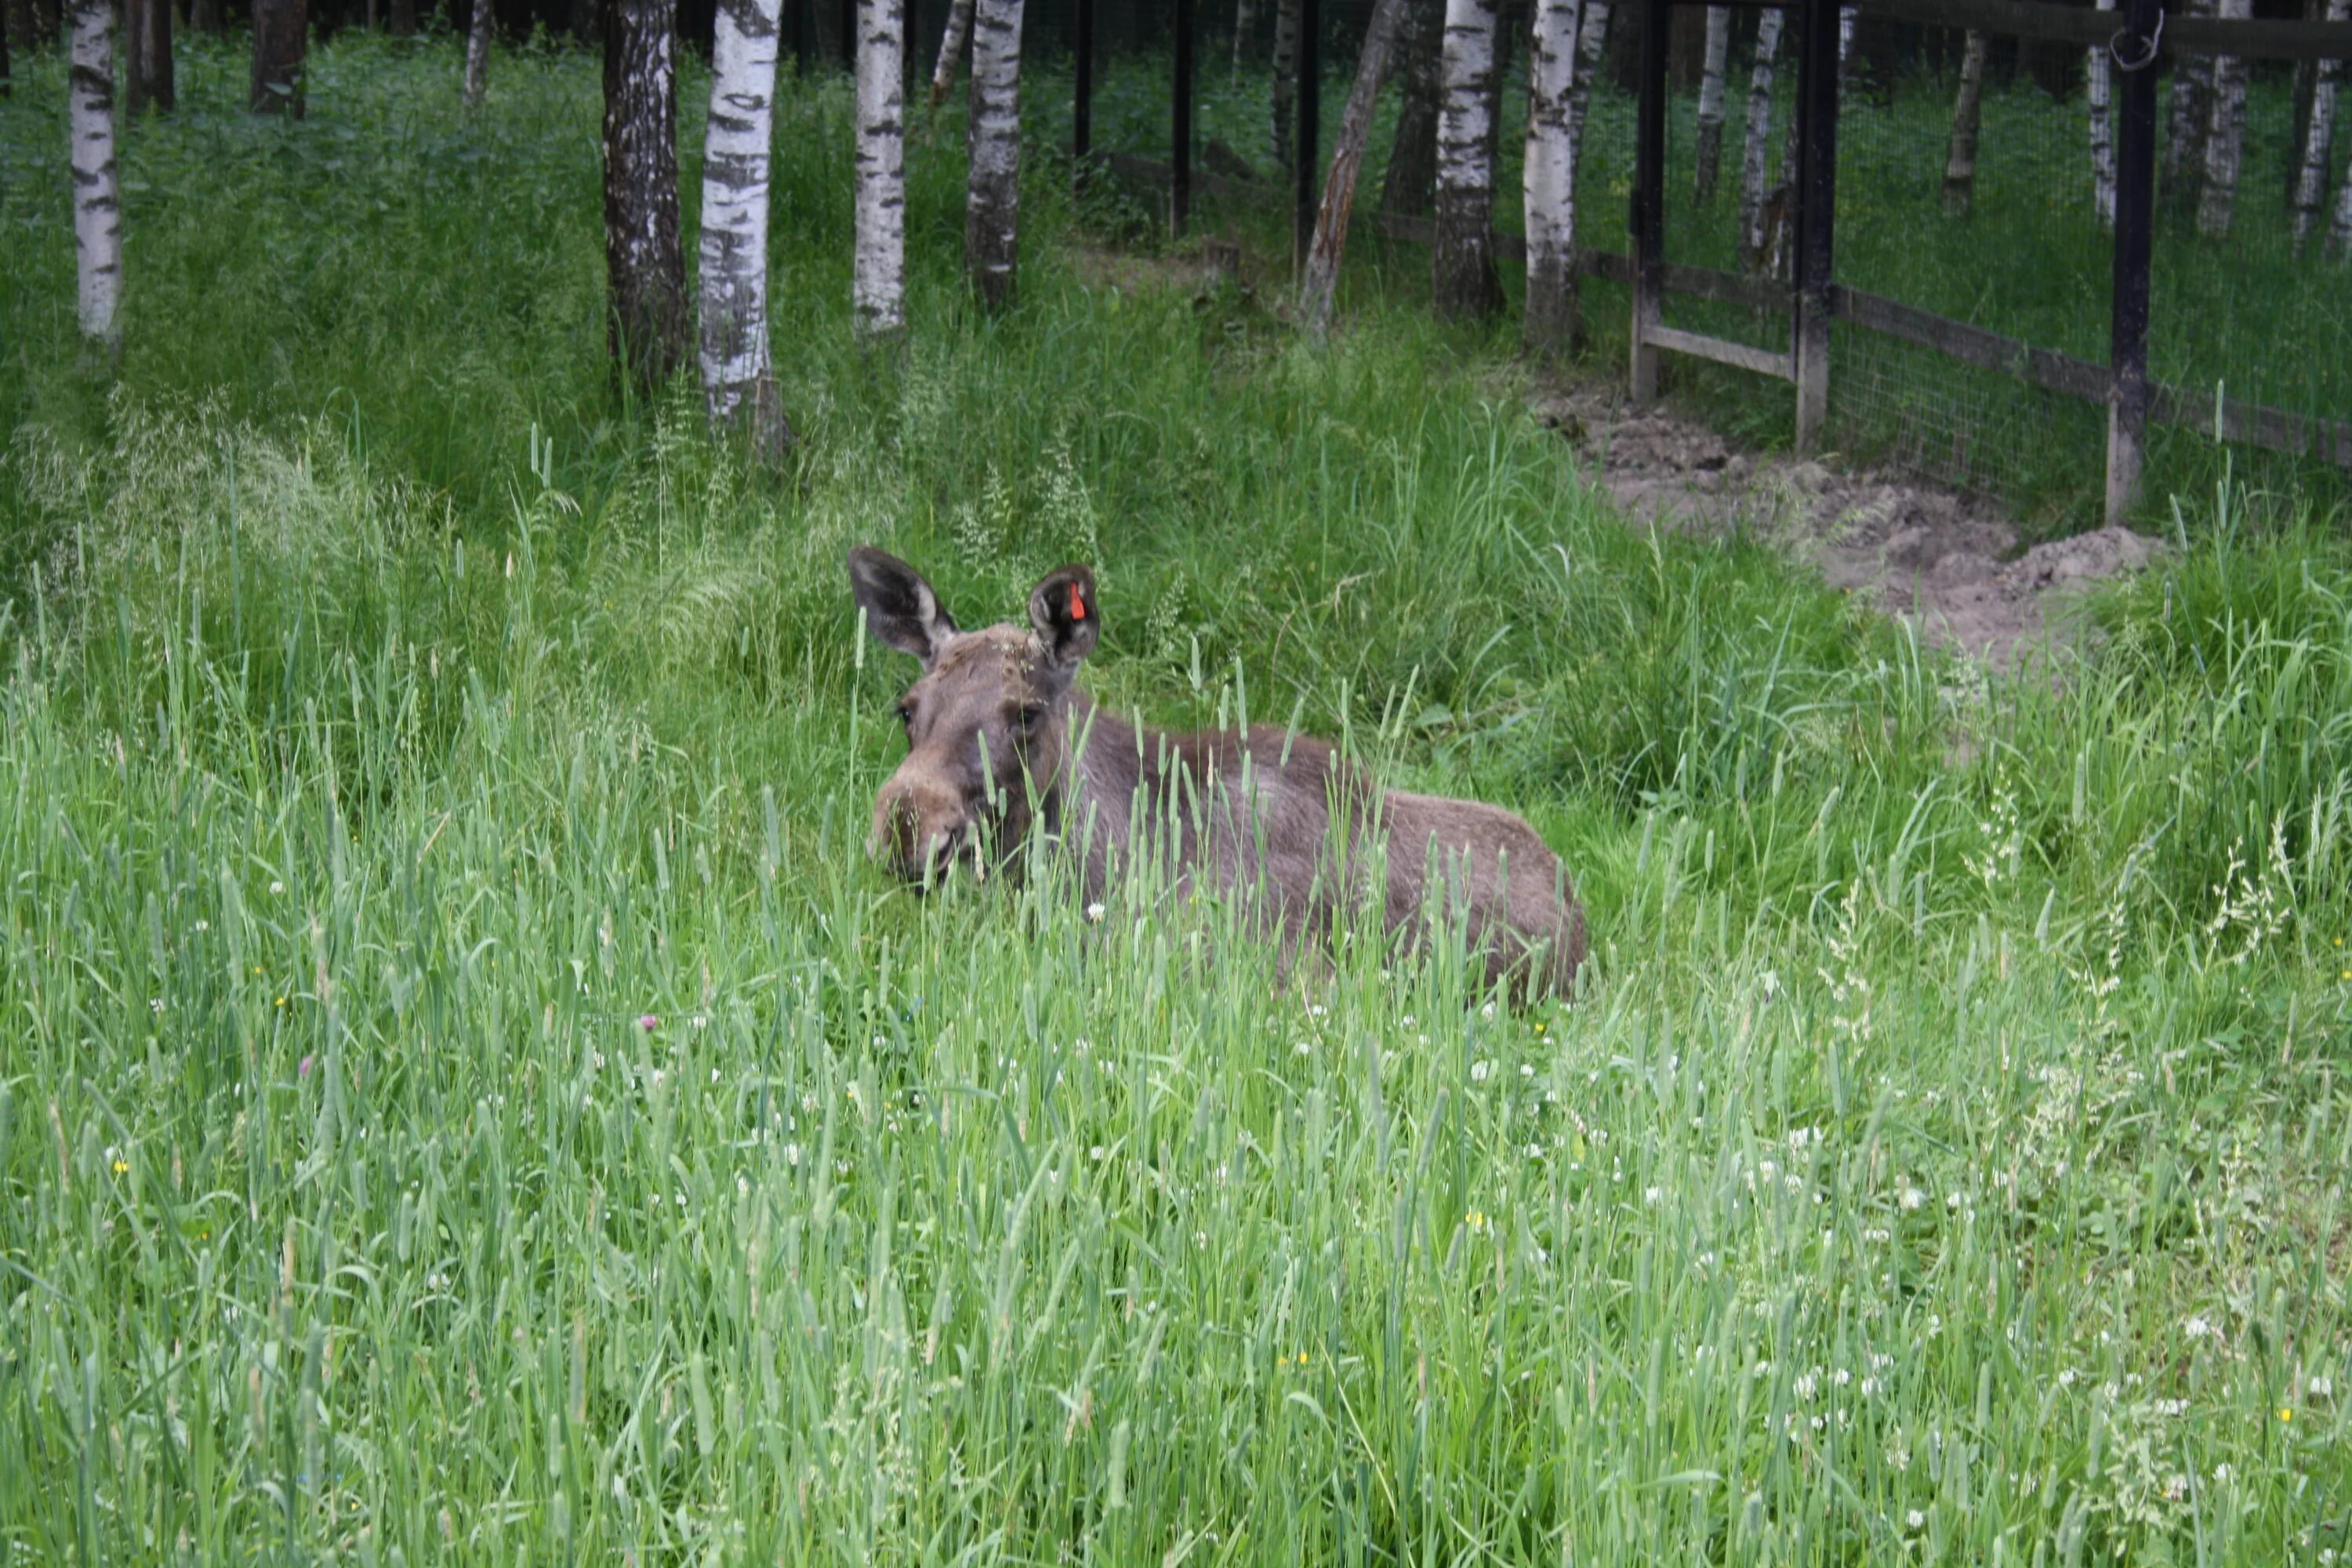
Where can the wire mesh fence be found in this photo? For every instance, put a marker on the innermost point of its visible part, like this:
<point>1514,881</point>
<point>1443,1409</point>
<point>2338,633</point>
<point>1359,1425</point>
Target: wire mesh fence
<point>1970,293</point>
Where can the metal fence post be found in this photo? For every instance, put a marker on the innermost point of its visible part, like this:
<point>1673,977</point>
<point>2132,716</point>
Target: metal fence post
<point>1310,123</point>
<point>1817,124</point>
<point>2135,47</point>
<point>1180,182</point>
<point>1646,223</point>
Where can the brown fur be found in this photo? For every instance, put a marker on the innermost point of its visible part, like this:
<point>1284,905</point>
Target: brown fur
<point>1002,743</point>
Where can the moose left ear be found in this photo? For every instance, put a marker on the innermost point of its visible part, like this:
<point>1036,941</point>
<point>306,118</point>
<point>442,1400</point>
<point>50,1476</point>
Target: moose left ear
<point>1062,612</point>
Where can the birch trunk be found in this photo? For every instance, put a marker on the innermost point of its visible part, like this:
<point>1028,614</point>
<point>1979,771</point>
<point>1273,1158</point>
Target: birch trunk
<point>645,268</point>
<point>992,206</point>
<point>2186,116</point>
<point>2318,149</point>
<point>1286,87</point>
<point>1708,146</point>
<point>280,32</point>
<point>1960,166</point>
<point>1330,242</point>
<point>1548,179</point>
<point>951,45</point>
<point>1411,184</point>
<point>738,386</point>
<point>1848,19</point>
<point>1245,29</point>
<point>97,216</point>
<point>2225,134</point>
<point>1465,282</point>
<point>1591,41</point>
<point>878,274</point>
<point>1757,146</point>
<point>478,53</point>
<point>2101,94</point>
<point>2339,228</point>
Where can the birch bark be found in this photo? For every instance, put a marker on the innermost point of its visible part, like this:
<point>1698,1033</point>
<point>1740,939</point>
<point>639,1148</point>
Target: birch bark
<point>737,384</point>
<point>992,206</point>
<point>1410,183</point>
<point>2318,138</point>
<point>2099,74</point>
<point>2225,134</point>
<point>478,53</point>
<point>645,267</point>
<point>2189,111</point>
<point>1548,178</point>
<point>1967,111</point>
<point>1757,149</point>
<point>1465,282</point>
<point>951,45</point>
<point>1708,145</point>
<point>98,212</point>
<point>879,272</point>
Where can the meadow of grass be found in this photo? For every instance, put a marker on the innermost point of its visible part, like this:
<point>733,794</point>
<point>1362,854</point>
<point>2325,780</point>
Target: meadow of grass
<point>465,1096</point>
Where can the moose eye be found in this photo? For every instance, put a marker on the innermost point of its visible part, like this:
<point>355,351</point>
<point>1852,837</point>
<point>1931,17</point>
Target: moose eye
<point>1031,716</point>
<point>906,714</point>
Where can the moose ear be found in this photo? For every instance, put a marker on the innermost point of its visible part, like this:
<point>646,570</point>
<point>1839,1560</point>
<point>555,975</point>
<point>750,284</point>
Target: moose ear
<point>901,611</point>
<point>1062,612</point>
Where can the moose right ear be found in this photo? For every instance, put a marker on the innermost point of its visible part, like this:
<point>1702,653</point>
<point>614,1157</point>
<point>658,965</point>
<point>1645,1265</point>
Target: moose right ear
<point>901,610</point>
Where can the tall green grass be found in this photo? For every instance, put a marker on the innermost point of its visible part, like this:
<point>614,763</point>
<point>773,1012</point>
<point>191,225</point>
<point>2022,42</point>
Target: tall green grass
<point>466,1095</point>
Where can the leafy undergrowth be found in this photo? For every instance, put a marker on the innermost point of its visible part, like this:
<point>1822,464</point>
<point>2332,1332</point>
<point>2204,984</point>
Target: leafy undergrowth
<point>467,1096</point>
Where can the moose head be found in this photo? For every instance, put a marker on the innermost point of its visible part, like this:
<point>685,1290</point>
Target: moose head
<point>988,720</point>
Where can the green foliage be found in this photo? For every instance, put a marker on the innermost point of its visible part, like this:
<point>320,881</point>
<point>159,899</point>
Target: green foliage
<point>466,1097</point>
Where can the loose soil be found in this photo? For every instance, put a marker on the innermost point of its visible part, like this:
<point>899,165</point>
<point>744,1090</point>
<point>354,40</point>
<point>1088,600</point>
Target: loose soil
<point>1953,567</point>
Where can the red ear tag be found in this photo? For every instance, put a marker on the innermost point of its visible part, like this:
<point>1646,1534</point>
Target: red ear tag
<point>1077,606</point>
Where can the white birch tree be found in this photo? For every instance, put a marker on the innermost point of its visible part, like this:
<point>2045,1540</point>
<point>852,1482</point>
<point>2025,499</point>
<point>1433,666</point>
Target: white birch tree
<point>645,268</point>
<point>1549,177</point>
<point>878,273</point>
<point>2225,133</point>
<point>1285,78</point>
<point>1245,29</point>
<point>477,54</point>
<point>1708,145</point>
<point>1968,113</point>
<point>2339,228</point>
<point>1465,282</point>
<point>951,43</point>
<point>737,384</point>
<point>2100,91</point>
<point>2318,148</point>
<point>2190,108</point>
<point>992,200</point>
<point>1757,149</point>
<point>97,207</point>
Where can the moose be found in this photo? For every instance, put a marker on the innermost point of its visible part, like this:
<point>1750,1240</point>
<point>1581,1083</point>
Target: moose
<point>1005,747</point>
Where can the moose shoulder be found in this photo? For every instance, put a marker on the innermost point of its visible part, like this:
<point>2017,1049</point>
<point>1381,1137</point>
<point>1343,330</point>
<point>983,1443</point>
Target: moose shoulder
<point>1002,743</point>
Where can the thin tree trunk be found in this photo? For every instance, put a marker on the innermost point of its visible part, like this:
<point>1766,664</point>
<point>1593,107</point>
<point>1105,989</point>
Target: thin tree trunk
<point>23,29</point>
<point>280,32</point>
<point>1285,84</point>
<point>402,14</point>
<point>1756,148</point>
<point>1848,20</point>
<point>47,23</point>
<point>1330,244</point>
<point>737,384</point>
<point>2339,228</point>
<point>1510,23</point>
<point>1960,166</point>
<point>205,16</point>
<point>97,216</point>
<point>584,21</point>
<point>1466,281</point>
<point>2191,106</point>
<point>952,47</point>
<point>1592,43</point>
<point>2100,91</point>
<point>1411,184</point>
<point>2225,134</point>
<point>992,204</point>
<point>1708,145</point>
<point>878,274</point>
<point>645,268</point>
<point>1548,179</point>
<point>1245,29</point>
<point>2318,138</point>
<point>147,76</point>
<point>478,52</point>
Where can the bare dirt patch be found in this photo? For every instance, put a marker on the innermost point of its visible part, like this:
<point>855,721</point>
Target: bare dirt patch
<point>1955,568</point>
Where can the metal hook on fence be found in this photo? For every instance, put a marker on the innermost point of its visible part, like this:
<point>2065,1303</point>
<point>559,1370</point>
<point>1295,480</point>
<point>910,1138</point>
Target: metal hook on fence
<point>2155,46</point>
